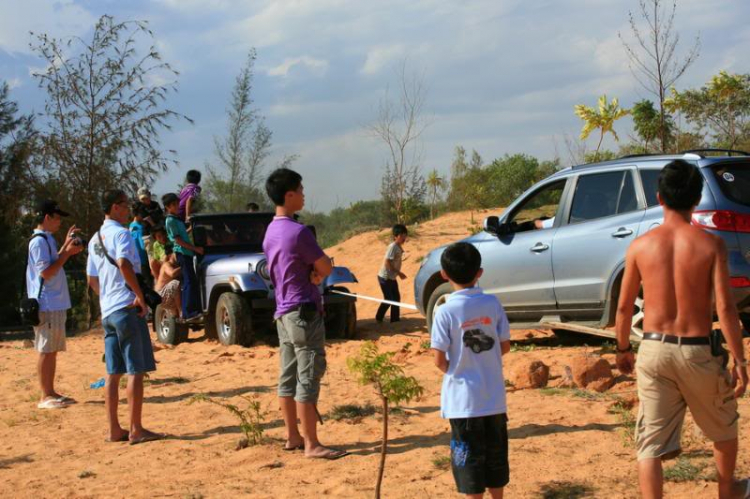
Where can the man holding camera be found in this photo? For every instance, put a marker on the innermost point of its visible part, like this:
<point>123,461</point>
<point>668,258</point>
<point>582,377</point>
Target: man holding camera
<point>111,269</point>
<point>46,280</point>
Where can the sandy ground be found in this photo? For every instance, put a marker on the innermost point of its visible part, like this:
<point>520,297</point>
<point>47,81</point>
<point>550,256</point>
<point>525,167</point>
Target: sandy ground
<point>562,444</point>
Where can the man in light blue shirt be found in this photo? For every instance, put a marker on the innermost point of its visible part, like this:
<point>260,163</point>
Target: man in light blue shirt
<point>111,268</point>
<point>46,281</point>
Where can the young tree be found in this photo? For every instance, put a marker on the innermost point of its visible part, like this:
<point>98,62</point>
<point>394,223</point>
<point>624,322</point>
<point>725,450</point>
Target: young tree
<point>391,386</point>
<point>436,184</point>
<point>242,153</point>
<point>647,123</point>
<point>399,125</point>
<point>722,106</point>
<point>653,57</point>
<point>104,112</point>
<point>602,118</point>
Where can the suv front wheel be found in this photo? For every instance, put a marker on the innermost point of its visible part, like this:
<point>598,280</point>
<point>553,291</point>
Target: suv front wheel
<point>233,321</point>
<point>437,299</point>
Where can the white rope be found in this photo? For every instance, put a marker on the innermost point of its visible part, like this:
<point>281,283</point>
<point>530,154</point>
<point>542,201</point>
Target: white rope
<point>402,305</point>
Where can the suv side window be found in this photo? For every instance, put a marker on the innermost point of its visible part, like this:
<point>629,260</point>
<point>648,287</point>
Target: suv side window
<point>601,195</point>
<point>540,205</point>
<point>650,181</point>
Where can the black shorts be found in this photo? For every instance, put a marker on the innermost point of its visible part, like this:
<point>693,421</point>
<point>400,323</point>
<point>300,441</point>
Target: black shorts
<point>479,453</point>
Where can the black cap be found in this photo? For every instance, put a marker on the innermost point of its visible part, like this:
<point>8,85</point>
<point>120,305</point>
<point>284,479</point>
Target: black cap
<point>49,207</point>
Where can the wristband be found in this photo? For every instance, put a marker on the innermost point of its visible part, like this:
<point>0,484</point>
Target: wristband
<point>629,349</point>
<point>742,362</point>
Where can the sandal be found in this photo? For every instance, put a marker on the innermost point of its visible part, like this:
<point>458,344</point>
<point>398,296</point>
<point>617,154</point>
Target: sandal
<point>51,404</point>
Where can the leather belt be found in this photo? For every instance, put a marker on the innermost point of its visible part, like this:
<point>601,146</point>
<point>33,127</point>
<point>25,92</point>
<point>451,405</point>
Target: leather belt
<point>679,340</point>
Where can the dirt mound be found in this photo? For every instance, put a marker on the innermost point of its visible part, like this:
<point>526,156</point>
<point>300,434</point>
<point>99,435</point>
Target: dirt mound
<point>592,372</point>
<point>529,374</point>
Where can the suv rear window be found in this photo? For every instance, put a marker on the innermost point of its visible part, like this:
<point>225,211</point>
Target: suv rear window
<point>734,180</point>
<point>650,181</point>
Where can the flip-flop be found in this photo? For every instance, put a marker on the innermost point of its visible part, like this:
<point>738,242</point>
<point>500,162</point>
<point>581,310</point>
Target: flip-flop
<point>332,456</point>
<point>148,438</point>
<point>66,400</point>
<point>51,404</point>
<point>124,438</point>
<point>290,449</point>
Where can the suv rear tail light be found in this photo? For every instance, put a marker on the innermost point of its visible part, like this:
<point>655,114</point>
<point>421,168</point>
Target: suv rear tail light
<point>722,220</point>
<point>739,282</point>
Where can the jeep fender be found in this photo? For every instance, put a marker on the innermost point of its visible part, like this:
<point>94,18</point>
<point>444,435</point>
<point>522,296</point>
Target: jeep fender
<point>339,275</point>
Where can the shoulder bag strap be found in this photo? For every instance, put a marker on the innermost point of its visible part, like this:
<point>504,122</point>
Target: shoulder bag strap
<point>41,279</point>
<point>104,249</point>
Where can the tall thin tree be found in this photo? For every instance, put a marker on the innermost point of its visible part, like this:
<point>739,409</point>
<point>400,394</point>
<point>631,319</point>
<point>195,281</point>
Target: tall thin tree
<point>653,56</point>
<point>400,125</point>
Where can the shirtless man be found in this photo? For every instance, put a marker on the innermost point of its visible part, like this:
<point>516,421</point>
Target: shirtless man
<point>168,284</point>
<point>680,268</point>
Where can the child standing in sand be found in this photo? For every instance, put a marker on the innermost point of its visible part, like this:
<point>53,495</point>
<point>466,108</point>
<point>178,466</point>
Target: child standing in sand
<point>470,334</point>
<point>390,272</point>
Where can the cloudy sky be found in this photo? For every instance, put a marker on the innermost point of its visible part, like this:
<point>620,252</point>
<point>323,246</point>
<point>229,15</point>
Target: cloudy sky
<point>502,76</point>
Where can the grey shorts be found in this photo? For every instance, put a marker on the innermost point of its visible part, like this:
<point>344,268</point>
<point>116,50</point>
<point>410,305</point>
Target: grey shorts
<point>49,335</point>
<point>302,356</point>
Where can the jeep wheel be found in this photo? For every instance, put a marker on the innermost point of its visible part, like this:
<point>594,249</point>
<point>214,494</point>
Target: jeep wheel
<point>437,299</point>
<point>341,320</point>
<point>168,331</point>
<point>233,321</point>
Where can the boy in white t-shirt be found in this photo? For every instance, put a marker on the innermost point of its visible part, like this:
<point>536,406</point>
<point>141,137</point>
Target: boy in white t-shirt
<point>470,334</point>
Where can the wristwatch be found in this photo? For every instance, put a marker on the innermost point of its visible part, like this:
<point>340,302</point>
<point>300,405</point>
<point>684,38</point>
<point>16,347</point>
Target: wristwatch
<point>629,349</point>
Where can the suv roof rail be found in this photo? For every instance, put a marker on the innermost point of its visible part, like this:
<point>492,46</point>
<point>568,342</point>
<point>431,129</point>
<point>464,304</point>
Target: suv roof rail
<point>728,151</point>
<point>639,155</point>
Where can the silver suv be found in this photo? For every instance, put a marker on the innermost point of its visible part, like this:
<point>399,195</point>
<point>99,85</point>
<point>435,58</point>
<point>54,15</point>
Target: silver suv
<point>557,253</point>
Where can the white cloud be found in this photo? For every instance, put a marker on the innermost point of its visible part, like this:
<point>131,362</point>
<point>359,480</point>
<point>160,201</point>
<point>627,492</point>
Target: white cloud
<point>382,56</point>
<point>317,66</point>
<point>14,83</point>
<point>57,19</point>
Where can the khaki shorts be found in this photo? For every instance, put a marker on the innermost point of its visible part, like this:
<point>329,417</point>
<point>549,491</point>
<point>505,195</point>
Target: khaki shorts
<point>169,294</point>
<point>49,335</point>
<point>672,378</point>
<point>302,356</point>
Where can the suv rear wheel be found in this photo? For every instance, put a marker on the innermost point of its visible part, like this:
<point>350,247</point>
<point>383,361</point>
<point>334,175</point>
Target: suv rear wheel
<point>233,320</point>
<point>168,330</point>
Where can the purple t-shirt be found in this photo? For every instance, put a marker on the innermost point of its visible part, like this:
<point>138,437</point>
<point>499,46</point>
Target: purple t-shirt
<point>187,192</point>
<point>291,250</point>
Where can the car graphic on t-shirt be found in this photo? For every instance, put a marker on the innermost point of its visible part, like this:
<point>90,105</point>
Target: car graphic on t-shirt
<point>478,341</point>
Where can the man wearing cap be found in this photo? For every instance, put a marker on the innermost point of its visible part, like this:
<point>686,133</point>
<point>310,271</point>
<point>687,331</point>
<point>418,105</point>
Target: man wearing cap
<point>46,280</point>
<point>149,210</point>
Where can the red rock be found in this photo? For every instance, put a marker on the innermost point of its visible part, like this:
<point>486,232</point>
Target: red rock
<point>529,374</point>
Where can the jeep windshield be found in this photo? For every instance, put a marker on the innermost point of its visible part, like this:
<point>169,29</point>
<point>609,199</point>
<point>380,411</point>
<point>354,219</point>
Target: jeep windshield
<point>227,233</point>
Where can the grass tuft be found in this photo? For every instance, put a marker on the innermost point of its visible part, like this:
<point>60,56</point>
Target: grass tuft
<point>352,412</point>
<point>442,463</point>
<point>565,490</point>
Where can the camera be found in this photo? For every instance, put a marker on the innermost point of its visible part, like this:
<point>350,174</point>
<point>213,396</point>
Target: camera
<point>79,241</point>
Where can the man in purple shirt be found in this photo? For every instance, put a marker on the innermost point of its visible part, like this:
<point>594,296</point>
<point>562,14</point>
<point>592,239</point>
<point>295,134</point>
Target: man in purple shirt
<point>189,195</point>
<point>297,266</point>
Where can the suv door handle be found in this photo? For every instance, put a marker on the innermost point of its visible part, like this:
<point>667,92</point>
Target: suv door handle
<point>622,232</point>
<point>539,247</point>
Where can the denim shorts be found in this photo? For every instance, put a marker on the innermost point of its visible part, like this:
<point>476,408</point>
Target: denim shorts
<point>479,453</point>
<point>302,355</point>
<point>127,343</point>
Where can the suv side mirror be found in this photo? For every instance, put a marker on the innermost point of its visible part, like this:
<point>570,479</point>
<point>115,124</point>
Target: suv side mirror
<point>199,236</point>
<point>492,225</point>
